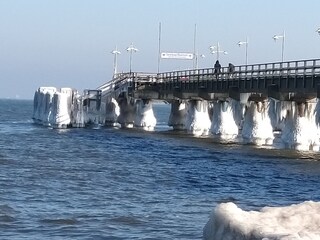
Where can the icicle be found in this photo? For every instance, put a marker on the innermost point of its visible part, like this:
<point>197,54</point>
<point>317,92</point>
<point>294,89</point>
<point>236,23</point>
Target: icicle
<point>144,115</point>
<point>257,127</point>
<point>226,119</point>
<point>197,118</point>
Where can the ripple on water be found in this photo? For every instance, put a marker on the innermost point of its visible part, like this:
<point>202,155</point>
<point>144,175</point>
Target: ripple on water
<point>60,221</point>
<point>7,214</point>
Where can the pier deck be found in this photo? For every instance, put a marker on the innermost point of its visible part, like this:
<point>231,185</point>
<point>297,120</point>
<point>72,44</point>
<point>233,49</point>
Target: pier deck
<point>293,81</point>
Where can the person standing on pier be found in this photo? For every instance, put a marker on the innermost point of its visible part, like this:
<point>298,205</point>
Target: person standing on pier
<point>217,67</point>
<point>231,69</point>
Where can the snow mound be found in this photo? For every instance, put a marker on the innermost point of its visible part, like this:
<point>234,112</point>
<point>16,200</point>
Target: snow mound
<point>295,222</point>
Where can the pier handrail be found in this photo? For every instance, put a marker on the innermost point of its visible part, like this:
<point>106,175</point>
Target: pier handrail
<point>301,67</point>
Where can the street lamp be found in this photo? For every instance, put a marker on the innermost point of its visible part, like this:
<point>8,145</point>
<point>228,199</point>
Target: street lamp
<point>246,43</point>
<point>131,49</point>
<point>277,37</point>
<point>216,49</point>
<point>115,52</point>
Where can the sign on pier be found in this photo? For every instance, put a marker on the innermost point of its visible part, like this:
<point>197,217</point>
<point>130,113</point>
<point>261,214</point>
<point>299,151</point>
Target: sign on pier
<point>183,56</point>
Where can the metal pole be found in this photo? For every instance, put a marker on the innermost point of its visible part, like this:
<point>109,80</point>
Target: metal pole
<point>282,52</point>
<point>247,43</point>
<point>115,64</point>
<point>159,48</point>
<point>218,50</point>
<point>195,57</point>
<point>130,60</point>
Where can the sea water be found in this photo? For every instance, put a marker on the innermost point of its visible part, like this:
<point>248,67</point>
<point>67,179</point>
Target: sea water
<point>111,183</point>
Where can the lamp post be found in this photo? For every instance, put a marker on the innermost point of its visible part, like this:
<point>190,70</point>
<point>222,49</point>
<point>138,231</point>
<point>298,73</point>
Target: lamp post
<point>277,37</point>
<point>216,49</point>
<point>246,43</point>
<point>115,52</point>
<point>131,49</point>
<point>196,56</point>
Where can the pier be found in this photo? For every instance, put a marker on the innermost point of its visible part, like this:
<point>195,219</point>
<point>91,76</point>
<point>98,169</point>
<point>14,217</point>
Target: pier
<point>290,81</point>
<point>247,101</point>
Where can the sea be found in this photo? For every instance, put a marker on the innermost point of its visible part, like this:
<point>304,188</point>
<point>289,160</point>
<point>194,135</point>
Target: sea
<point>111,183</point>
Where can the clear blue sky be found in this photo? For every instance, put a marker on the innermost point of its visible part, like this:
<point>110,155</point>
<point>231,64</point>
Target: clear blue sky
<point>67,43</point>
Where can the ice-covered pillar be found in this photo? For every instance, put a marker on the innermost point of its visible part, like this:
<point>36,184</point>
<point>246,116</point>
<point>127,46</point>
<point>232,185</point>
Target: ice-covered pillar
<point>42,104</point>
<point>177,118</point>
<point>226,119</point>
<point>197,118</point>
<point>127,112</point>
<point>257,127</point>
<point>300,130</point>
<point>77,113</point>
<point>112,112</point>
<point>144,117</point>
<point>60,117</point>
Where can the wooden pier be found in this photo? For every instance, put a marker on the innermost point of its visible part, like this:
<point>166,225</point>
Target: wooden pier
<point>292,81</point>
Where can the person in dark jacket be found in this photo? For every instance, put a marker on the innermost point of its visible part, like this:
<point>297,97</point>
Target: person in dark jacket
<point>217,67</point>
<point>231,68</point>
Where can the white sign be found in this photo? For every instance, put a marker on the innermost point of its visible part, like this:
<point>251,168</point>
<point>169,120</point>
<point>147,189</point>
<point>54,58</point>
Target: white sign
<point>184,56</point>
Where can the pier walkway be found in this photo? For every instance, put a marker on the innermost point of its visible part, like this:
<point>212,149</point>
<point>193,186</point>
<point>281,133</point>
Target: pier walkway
<point>293,81</point>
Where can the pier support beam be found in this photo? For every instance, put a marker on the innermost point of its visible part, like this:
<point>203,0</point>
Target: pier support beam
<point>112,112</point>
<point>77,114</point>
<point>300,130</point>
<point>257,127</point>
<point>127,112</point>
<point>144,116</point>
<point>177,118</point>
<point>197,118</point>
<point>226,119</point>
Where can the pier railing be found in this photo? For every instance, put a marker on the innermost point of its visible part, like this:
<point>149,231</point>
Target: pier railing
<point>283,69</point>
<point>302,77</point>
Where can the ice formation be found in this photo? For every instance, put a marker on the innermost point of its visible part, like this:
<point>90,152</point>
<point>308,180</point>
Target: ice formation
<point>52,107</point>
<point>297,123</point>
<point>144,115</point>
<point>300,129</point>
<point>77,114</point>
<point>197,118</point>
<point>295,222</point>
<point>112,112</point>
<point>177,118</point>
<point>127,112</point>
<point>226,119</point>
<point>257,127</point>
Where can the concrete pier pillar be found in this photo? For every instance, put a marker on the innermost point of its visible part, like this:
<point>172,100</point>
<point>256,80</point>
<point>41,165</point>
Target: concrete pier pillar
<point>300,130</point>
<point>112,112</point>
<point>257,127</point>
<point>60,116</point>
<point>177,118</point>
<point>226,119</point>
<point>144,117</point>
<point>127,112</point>
<point>197,118</point>
<point>42,105</point>
<point>77,114</point>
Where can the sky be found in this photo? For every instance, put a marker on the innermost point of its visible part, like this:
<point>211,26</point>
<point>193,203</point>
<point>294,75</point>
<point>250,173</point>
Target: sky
<point>63,43</point>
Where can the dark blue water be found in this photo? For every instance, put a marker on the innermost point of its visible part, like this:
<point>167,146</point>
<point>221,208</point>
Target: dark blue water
<point>128,184</point>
